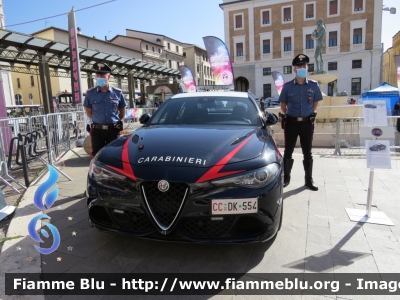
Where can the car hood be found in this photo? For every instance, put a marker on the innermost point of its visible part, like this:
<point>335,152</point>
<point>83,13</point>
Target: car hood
<point>188,146</point>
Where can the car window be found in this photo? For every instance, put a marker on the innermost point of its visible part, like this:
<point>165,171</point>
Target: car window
<point>220,110</point>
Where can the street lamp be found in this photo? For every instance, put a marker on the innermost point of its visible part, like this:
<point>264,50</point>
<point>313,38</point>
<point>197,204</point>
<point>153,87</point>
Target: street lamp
<point>391,9</point>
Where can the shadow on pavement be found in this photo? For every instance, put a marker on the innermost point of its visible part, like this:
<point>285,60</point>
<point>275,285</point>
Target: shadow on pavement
<point>334,258</point>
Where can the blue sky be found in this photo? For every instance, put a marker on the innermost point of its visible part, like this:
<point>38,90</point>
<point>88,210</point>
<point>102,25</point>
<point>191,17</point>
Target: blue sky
<point>183,20</point>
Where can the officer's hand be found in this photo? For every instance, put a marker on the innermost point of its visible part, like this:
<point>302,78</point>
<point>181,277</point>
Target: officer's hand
<point>119,125</point>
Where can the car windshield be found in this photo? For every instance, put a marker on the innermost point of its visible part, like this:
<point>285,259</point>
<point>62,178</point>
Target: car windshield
<point>217,110</point>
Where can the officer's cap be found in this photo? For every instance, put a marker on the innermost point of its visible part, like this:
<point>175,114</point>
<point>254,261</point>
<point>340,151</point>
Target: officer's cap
<point>300,60</point>
<point>101,68</point>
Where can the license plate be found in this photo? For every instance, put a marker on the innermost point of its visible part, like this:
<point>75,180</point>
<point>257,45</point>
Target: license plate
<point>234,206</point>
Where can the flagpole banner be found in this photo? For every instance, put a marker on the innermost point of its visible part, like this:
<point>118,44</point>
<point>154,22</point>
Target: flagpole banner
<point>74,60</point>
<point>188,79</point>
<point>220,61</point>
<point>279,81</point>
<point>397,61</point>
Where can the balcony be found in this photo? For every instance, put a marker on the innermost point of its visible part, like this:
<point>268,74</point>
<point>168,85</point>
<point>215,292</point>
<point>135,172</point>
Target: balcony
<point>334,49</point>
<point>152,54</point>
<point>239,59</point>
<point>310,52</point>
<point>266,56</point>
<point>287,54</point>
<point>357,47</point>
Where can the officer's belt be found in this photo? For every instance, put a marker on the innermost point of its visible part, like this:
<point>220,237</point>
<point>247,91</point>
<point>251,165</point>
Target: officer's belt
<point>104,127</point>
<point>298,119</point>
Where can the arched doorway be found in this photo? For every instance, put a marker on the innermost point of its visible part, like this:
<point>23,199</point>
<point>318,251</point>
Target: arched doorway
<point>241,84</point>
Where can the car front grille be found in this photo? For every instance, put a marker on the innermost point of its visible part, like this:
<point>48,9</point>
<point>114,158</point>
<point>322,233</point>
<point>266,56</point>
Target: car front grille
<point>164,206</point>
<point>131,221</point>
<point>204,227</point>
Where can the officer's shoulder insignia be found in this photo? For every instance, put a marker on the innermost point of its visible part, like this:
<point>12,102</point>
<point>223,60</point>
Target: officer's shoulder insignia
<point>117,89</point>
<point>91,89</point>
<point>312,80</point>
<point>288,82</point>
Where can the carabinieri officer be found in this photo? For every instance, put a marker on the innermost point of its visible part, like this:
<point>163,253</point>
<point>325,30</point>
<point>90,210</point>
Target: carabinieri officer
<point>106,106</point>
<point>299,100</point>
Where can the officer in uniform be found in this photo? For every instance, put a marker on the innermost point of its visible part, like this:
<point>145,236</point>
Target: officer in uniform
<point>106,106</point>
<point>299,100</point>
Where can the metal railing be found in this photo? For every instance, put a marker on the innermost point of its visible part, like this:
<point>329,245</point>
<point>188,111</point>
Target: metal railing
<point>348,134</point>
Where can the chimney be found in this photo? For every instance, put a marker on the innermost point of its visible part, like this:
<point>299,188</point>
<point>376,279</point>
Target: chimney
<point>79,30</point>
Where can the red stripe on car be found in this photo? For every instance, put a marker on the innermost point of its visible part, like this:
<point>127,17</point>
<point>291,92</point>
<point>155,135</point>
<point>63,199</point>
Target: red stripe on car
<point>214,171</point>
<point>126,165</point>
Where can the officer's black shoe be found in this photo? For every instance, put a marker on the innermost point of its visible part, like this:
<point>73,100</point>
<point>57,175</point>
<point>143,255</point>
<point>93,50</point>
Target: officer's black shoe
<point>287,168</point>
<point>308,166</point>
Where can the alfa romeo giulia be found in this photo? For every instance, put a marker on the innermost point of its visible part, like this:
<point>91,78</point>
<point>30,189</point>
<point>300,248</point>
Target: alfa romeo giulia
<point>203,168</point>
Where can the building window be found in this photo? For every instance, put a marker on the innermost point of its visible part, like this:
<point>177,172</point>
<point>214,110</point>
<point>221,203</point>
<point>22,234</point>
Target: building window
<point>147,47</point>
<point>287,44</point>
<point>169,46</point>
<point>32,81</point>
<point>358,5</point>
<point>152,48</point>
<point>309,11</point>
<point>266,17</point>
<point>332,38</point>
<point>266,71</point>
<point>177,64</point>
<point>177,49</point>
<point>333,7</point>
<point>198,68</point>
<point>18,83</point>
<point>287,14</point>
<point>170,64</point>
<point>310,68</point>
<point>287,70</point>
<point>239,49</point>
<point>266,46</point>
<point>267,90</point>
<point>332,66</point>
<point>331,86</point>
<point>159,50</point>
<point>184,54</point>
<point>238,21</point>
<point>356,86</point>
<point>357,36</point>
<point>356,64</point>
<point>309,42</point>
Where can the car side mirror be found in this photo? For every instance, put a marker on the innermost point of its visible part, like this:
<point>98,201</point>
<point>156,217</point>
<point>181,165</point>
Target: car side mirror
<point>270,119</point>
<point>144,118</point>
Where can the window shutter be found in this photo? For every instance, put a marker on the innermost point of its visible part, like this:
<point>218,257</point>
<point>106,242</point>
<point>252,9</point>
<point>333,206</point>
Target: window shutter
<point>333,7</point>
<point>286,13</point>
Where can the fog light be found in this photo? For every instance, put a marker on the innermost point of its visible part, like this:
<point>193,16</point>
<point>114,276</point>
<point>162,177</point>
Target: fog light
<point>217,218</point>
<point>118,211</point>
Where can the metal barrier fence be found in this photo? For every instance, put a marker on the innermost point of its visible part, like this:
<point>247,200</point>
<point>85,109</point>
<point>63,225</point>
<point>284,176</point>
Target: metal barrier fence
<point>27,139</point>
<point>5,177</point>
<point>347,134</point>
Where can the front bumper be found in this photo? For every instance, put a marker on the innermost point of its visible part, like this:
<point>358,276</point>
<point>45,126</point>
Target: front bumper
<point>129,214</point>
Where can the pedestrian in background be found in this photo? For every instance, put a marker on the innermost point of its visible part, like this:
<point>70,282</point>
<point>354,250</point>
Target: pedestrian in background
<point>106,106</point>
<point>299,100</point>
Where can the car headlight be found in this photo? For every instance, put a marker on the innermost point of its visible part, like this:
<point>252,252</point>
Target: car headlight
<point>254,179</point>
<point>101,174</point>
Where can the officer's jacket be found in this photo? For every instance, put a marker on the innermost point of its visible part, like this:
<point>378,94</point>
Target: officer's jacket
<point>300,98</point>
<point>105,106</point>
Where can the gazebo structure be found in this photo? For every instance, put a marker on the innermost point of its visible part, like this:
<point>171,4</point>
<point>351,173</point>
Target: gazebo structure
<point>20,52</point>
